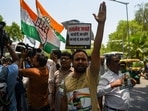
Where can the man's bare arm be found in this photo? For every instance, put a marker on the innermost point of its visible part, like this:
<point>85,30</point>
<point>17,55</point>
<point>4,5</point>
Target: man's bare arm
<point>95,57</point>
<point>13,54</point>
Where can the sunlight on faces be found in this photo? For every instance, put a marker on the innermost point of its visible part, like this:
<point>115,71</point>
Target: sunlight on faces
<point>65,61</point>
<point>80,62</point>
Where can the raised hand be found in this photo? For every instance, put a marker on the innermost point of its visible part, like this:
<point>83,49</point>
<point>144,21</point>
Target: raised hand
<point>101,17</point>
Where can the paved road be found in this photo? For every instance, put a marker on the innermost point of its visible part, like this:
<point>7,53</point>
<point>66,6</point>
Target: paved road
<point>139,96</point>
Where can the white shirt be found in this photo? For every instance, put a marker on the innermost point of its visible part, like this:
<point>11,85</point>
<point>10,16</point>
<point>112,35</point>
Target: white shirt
<point>114,97</point>
<point>52,68</point>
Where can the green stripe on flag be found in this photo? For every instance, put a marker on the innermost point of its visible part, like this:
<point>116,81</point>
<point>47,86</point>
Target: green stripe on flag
<point>30,31</point>
<point>49,47</point>
<point>60,37</point>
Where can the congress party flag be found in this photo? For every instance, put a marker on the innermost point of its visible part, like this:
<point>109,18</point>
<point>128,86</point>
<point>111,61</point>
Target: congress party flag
<point>37,28</point>
<point>57,27</point>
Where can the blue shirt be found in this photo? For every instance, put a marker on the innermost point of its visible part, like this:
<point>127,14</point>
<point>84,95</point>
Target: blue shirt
<point>10,74</point>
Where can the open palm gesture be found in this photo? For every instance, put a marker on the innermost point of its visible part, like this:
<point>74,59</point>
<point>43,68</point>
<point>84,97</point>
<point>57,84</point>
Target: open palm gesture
<point>101,17</point>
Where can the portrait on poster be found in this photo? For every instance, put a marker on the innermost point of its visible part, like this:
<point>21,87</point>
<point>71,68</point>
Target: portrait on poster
<point>79,100</point>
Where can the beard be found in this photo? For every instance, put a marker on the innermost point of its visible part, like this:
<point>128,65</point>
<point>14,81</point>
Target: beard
<point>80,69</point>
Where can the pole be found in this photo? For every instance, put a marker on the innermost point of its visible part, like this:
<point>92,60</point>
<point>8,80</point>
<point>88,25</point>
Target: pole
<point>129,54</point>
<point>126,4</point>
<point>123,46</point>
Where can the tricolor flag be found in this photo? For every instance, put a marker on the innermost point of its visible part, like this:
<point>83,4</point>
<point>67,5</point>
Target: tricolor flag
<point>57,27</point>
<point>37,28</point>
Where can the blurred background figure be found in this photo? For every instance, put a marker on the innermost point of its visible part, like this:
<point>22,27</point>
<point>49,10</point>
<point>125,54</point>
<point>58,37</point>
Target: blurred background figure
<point>102,65</point>
<point>53,65</point>
<point>59,76</point>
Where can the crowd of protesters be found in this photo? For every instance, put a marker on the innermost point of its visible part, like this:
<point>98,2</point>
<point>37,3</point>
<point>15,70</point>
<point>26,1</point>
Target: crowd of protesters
<point>35,82</point>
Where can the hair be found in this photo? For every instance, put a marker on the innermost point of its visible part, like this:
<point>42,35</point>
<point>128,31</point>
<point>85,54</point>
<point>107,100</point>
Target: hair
<point>42,59</point>
<point>79,50</point>
<point>66,53</point>
<point>75,92</point>
<point>6,61</point>
<point>57,52</point>
<point>109,58</point>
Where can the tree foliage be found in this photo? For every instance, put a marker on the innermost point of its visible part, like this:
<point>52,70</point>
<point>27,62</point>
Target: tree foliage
<point>1,18</point>
<point>13,31</point>
<point>141,15</point>
<point>136,44</point>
